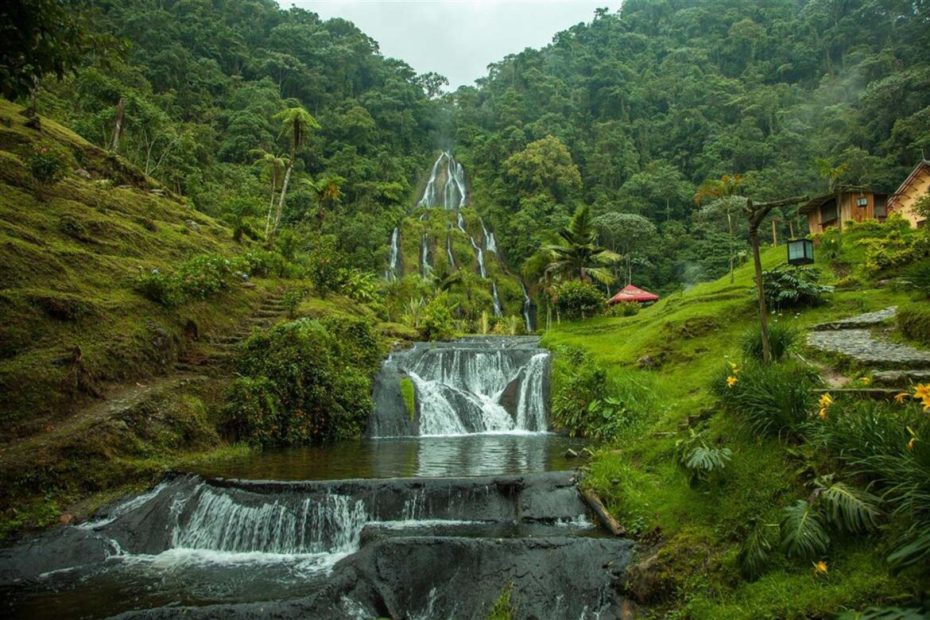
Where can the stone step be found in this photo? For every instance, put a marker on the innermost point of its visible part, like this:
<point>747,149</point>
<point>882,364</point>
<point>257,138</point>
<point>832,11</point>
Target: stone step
<point>860,347</point>
<point>901,378</point>
<point>869,319</point>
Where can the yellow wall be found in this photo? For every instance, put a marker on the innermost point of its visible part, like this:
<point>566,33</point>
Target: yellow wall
<point>903,203</point>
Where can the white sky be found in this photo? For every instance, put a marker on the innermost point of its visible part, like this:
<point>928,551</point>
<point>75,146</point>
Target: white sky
<point>457,38</point>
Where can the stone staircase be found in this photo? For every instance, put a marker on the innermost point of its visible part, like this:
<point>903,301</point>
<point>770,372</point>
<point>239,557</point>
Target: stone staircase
<point>862,341</point>
<point>217,353</point>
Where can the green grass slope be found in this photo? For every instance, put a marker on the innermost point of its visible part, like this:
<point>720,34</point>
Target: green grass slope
<point>687,337</point>
<point>69,254</point>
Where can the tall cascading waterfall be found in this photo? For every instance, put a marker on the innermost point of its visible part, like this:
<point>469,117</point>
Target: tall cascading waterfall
<point>395,255</point>
<point>498,311</point>
<point>527,308</point>
<point>473,385</point>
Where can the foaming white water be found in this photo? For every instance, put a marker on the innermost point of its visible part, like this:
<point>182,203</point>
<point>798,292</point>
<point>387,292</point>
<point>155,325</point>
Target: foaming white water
<point>531,408</point>
<point>395,253</point>
<point>497,302</point>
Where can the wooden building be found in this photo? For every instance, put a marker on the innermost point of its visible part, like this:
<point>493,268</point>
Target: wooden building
<point>915,186</point>
<point>834,210</point>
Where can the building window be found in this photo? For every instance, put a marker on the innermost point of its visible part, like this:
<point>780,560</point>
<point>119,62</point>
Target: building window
<point>862,202</point>
<point>881,208</point>
<point>828,213</point>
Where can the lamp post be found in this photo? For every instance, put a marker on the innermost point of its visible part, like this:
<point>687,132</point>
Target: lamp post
<point>800,252</point>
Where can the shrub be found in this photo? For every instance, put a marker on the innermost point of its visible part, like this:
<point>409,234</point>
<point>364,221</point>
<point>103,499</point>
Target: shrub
<point>887,444</point>
<point>262,264</point>
<point>781,338</point>
<point>204,275</point>
<point>899,247</point>
<point>577,299</point>
<point>701,461</point>
<point>623,309</point>
<point>914,323</point>
<point>917,277</point>
<point>793,287</point>
<point>324,266</point>
<point>772,399</point>
<point>587,403</point>
<point>436,321</point>
<point>304,382</point>
<point>48,163</point>
<point>158,287</point>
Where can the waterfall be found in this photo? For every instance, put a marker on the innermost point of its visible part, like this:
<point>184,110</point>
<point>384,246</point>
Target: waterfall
<point>460,222</point>
<point>497,302</point>
<point>327,524</point>
<point>527,308</point>
<point>480,254</point>
<point>489,243</point>
<point>449,253</point>
<point>452,177</point>
<point>531,410</point>
<point>425,267</point>
<point>478,385</point>
<point>392,264</point>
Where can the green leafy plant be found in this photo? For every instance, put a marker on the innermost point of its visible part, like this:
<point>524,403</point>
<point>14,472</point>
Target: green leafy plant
<point>802,531</point>
<point>701,461</point>
<point>577,299</point>
<point>793,287</point>
<point>48,163</point>
<point>291,300</point>
<point>755,553</point>
<point>847,508</point>
<point>917,277</point>
<point>781,338</point>
<point>158,287</point>
<point>774,400</point>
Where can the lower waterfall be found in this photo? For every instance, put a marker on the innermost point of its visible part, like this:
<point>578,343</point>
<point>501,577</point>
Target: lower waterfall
<point>473,385</point>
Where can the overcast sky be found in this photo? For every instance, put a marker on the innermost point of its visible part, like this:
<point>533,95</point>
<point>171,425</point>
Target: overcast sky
<point>457,38</point>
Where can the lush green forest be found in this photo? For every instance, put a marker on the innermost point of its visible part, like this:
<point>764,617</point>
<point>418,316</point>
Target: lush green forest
<point>629,114</point>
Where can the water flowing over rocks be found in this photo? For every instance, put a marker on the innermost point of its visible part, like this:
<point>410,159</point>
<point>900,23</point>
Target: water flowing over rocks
<point>473,385</point>
<point>367,548</point>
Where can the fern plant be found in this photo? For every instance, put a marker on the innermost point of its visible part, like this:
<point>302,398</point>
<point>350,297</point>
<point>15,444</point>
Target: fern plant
<point>755,554</point>
<point>802,532</point>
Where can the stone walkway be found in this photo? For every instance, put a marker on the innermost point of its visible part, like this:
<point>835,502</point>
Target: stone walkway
<point>856,340</point>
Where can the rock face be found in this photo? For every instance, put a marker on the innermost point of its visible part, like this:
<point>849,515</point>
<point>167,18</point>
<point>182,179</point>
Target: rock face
<point>402,548</point>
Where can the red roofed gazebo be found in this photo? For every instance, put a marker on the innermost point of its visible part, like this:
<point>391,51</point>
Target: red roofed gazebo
<point>632,293</point>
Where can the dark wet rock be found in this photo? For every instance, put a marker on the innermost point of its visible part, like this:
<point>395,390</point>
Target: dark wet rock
<point>392,419</point>
<point>441,577</point>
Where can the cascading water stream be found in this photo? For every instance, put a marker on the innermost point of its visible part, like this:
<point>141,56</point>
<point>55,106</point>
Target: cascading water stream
<point>498,311</point>
<point>490,244</point>
<point>479,253</point>
<point>449,253</point>
<point>395,255</point>
<point>527,308</point>
<point>426,268</point>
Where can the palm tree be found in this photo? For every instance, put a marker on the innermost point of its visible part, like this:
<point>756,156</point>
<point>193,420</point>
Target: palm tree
<point>328,192</point>
<point>275,163</point>
<point>577,256</point>
<point>722,191</point>
<point>298,122</point>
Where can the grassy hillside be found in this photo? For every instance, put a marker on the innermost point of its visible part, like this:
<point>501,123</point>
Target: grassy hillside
<point>673,351</point>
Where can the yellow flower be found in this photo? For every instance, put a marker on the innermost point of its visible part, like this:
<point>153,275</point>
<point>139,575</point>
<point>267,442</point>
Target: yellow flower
<point>820,568</point>
<point>825,401</point>
<point>731,381</point>
<point>912,443</point>
<point>900,398</point>
<point>922,391</point>
<point>866,380</point>
<point>823,414</point>
<point>734,368</point>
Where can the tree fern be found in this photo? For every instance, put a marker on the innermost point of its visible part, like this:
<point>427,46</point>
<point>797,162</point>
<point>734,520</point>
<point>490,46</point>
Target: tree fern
<point>802,532</point>
<point>848,508</point>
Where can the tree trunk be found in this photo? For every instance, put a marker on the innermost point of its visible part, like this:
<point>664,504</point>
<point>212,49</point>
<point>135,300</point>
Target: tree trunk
<point>277,215</point>
<point>274,183</point>
<point>730,227</point>
<point>774,234</point>
<point>118,124</point>
<point>760,291</point>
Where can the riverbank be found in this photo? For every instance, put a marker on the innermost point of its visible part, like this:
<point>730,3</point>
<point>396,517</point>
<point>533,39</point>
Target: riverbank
<point>692,534</point>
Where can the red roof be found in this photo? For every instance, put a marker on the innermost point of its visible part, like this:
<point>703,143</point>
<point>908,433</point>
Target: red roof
<point>632,293</point>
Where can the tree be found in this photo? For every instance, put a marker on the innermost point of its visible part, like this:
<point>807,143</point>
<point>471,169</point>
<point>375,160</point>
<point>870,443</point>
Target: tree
<point>577,256</point>
<point>328,190</point>
<point>544,166</point>
<point>627,234</point>
<point>39,37</point>
<point>298,122</point>
<point>722,191</point>
<point>275,163</point>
